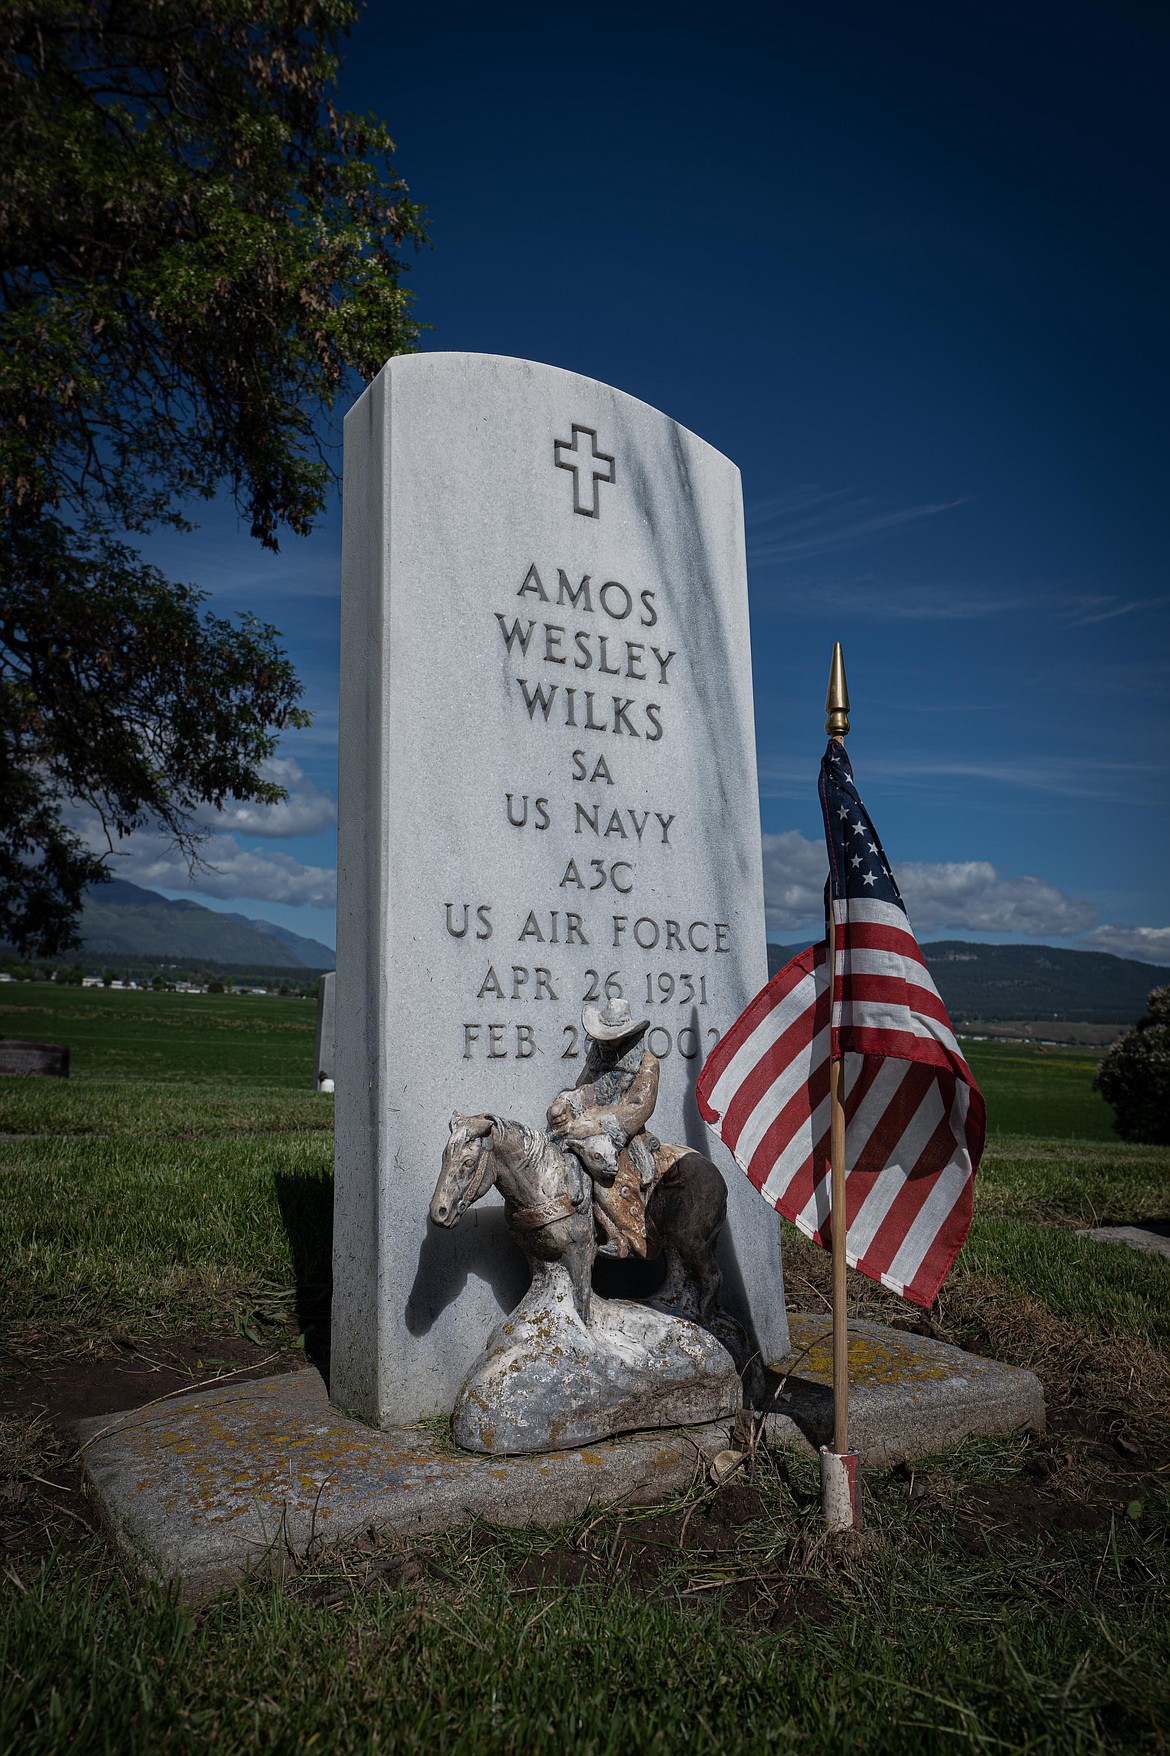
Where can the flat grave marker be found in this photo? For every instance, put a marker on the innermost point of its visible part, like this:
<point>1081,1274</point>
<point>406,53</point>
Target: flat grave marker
<point>22,1060</point>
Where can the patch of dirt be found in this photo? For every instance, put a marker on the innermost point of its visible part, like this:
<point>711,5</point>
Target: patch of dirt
<point>1074,1478</point>
<point>700,1554</point>
<point>1014,1510</point>
<point>121,1373</point>
<point>562,1567</point>
<point>803,1603</point>
<point>44,1502</point>
<point>395,1572</point>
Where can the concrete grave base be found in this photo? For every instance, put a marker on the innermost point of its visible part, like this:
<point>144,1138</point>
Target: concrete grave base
<point>217,1484</point>
<point>208,1487</point>
<point>908,1395</point>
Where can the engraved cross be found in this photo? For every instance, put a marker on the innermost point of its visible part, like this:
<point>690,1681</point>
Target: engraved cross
<point>589,467</point>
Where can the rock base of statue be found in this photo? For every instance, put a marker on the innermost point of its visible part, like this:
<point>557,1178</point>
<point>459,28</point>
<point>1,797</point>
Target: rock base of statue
<point>546,1381</point>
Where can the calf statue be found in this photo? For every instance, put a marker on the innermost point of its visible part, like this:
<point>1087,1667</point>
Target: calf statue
<point>567,1367</point>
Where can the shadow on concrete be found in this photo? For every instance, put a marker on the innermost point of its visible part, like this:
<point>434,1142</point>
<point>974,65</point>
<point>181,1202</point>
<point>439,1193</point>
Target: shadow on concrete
<point>734,1296</point>
<point>306,1212</point>
<point>480,1246</point>
<point>809,1406</point>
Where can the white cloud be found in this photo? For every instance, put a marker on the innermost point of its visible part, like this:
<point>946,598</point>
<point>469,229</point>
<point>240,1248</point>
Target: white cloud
<point>936,602</point>
<point>974,895</point>
<point>1065,776</point>
<point>809,520</point>
<point>1148,944</point>
<point>305,811</point>
<point>1090,610</point>
<point>794,881</point>
<point>963,895</point>
<point>228,871</point>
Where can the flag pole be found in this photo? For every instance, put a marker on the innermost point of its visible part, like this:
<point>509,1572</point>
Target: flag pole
<point>840,1503</point>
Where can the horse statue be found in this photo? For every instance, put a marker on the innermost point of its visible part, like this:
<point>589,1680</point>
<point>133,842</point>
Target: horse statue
<point>549,1207</point>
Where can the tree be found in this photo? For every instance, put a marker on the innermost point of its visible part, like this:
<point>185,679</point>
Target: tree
<point>197,251</point>
<point>1135,1076</point>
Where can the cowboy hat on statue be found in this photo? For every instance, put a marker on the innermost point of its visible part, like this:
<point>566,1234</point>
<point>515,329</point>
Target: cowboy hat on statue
<point>612,1023</point>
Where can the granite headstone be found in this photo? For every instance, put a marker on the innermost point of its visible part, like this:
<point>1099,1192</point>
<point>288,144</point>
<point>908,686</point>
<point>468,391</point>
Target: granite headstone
<point>325,1043</point>
<point>547,797</point>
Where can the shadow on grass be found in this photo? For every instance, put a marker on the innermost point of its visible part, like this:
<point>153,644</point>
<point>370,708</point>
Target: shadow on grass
<point>306,1212</point>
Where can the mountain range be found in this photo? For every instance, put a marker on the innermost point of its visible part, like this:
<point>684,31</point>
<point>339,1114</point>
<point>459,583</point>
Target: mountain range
<point>123,921</point>
<point>993,982</point>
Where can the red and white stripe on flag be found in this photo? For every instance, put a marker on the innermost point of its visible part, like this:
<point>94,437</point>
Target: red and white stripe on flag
<point>914,1117</point>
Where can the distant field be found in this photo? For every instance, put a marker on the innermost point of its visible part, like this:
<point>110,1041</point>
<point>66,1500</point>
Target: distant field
<point>252,1039</point>
<point>238,1039</point>
<point>1036,1091</point>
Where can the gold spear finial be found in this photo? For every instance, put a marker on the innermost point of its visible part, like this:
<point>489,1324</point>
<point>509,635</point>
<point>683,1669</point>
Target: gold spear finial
<point>837,699</point>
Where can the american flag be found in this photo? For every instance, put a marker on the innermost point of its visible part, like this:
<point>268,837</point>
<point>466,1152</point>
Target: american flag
<point>914,1117</point>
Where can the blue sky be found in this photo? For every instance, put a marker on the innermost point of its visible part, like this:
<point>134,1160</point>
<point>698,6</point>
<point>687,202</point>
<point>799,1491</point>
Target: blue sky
<point>906,266</point>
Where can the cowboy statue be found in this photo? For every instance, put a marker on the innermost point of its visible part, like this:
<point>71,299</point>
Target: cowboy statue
<point>602,1120</point>
<point>567,1365</point>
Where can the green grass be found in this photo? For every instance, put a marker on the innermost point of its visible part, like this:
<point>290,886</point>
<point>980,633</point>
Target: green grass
<point>193,1039</point>
<point>183,1174</point>
<point>163,1198</point>
<point>1036,1091</point>
<point>925,1653</point>
<point>127,1109</point>
<point>156,1232</point>
<point>1073,1182</point>
<point>1103,1290</point>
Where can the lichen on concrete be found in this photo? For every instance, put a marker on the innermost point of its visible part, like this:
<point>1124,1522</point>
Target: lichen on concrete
<point>908,1394</point>
<point>876,1355</point>
<point>199,1491</point>
<point>547,1380</point>
<point>213,1484</point>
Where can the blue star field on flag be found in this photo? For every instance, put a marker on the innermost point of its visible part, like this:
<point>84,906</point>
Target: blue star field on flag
<point>858,867</point>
